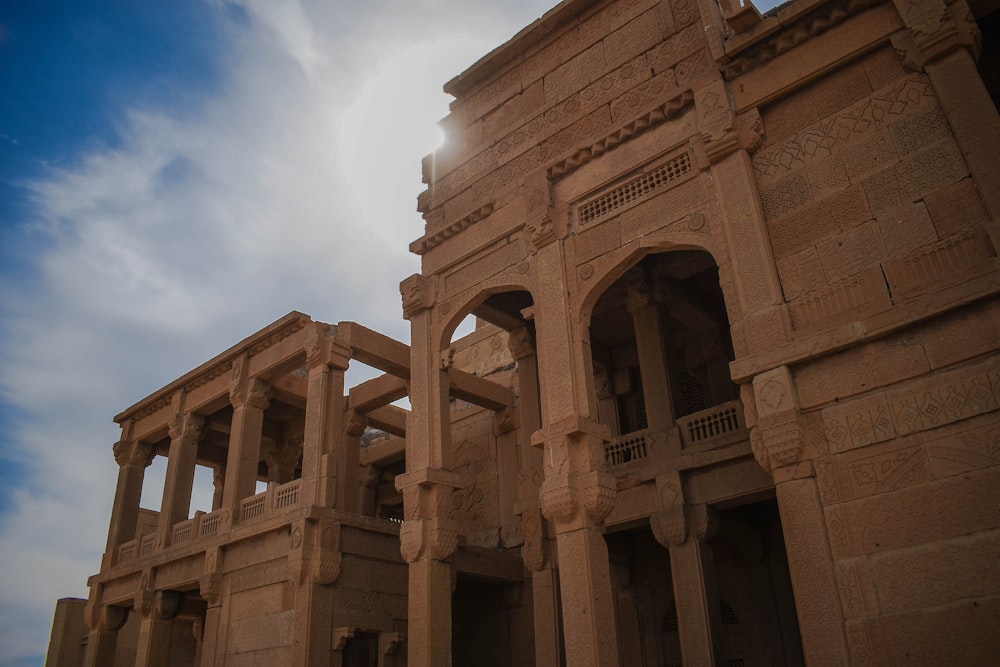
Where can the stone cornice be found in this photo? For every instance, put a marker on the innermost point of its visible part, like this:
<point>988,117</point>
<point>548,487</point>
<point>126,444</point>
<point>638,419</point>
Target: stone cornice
<point>217,366</point>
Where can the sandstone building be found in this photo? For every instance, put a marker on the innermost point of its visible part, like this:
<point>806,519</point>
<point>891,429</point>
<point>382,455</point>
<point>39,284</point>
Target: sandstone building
<point>733,397</point>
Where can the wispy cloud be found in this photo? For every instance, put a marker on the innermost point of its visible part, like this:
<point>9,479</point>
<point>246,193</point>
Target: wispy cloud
<point>290,186</point>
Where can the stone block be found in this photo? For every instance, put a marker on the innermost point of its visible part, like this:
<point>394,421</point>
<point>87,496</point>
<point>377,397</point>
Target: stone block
<point>817,221</point>
<point>574,75</point>
<point>871,156</point>
<point>263,631</point>
<point>968,445</point>
<point>912,133</point>
<point>685,12</point>
<point>787,116</point>
<point>858,423</point>
<point>827,176</point>
<point>956,207</point>
<point>859,370</point>
<point>962,335</point>
<point>838,89</point>
<point>848,300</point>
<point>906,229</point>
<point>939,265</point>
<point>930,575</point>
<point>851,251</point>
<point>634,38</point>
<point>800,273</point>
<point>874,469</point>
<point>785,196</point>
<point>929,169</point>
<point>882,192</point>
<point>963,633</point>
<point>858,596</point>
<point>946,397</point>
<point>677,47</point>
<point>696,69</point>
<point>915,515</point>
<point>883,68</point>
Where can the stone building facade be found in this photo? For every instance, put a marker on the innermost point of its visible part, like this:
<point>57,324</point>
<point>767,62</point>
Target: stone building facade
<point>733,397</point>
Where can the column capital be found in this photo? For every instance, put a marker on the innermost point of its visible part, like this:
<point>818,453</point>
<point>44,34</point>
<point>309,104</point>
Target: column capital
<point>210,582</point>
<point>679,524</point>
<point>187,426</point>
<point>255,394</point>
<point>418,295</point>
<point>520,343</point>
<point>133,453</point>
<point>934,29</point>
<point>778,437</point>
<point>428,530</point>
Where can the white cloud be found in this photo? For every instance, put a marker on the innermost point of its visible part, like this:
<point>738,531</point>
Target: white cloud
<point>291,187</point>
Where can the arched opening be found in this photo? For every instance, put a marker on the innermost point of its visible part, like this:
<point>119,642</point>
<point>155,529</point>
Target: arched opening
<point>661,348</point>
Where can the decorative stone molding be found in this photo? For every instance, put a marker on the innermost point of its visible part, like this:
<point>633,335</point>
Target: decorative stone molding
<point>104,617</point>
<point>504,420</point>
<point>210,583</point>
<point>340,637</point>
<point>417,295</point>
<point>139,454</point>
<point>428,530</point>
<point>356,423</point>
<point>676,525</point>
<point>167,604</point>
<point>389,642</point>
<point>520,343</point>
<point>534,551</point>
<point>433,240</point>
<point>934,30</point>
<point>142,601</point>
<point>777,439</point>
<point>187,426</point>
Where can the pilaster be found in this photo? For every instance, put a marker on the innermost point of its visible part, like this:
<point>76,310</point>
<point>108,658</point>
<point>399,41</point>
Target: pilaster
<point>314,563</point>
<point>133,458</point>
<point>103,622</point>
<point>155,629</point>
<point>249,398</point>
<point>185,432</point>
<point>685,530</point>
<point>327,361</point>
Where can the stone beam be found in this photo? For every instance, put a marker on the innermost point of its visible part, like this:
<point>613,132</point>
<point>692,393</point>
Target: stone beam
<point>389,418</point>
<point>376,393</point>
<point>474,389</point>
<point>500,318</point>
<point>375,349</point>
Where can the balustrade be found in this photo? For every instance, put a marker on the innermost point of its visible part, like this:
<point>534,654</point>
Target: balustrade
<point>715,426</point>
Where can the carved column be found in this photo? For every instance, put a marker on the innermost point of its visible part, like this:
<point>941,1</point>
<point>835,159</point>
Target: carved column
<point>314,563</point>
<point>133,458</point>
<point>428,536</point>
<point>576,496</point>
<point>249,397</point>
<point>654,367</point>
<point>185,432</point>
<point>943,40</point>
<point>577,492</point>
<point>156,628</point>
<point>685,531</point>
<point>103,622</point>
<point>210,588</point>
<point>777,442</point>
<point>327,360</point>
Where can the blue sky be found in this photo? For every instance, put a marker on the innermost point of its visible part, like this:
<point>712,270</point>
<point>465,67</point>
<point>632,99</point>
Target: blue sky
<point>174,176</point>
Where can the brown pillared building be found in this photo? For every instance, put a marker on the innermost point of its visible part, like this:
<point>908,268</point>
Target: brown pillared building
<point>733,397</point>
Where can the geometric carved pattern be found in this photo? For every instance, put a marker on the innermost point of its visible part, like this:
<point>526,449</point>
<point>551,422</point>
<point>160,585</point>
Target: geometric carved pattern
<point>937,401</point>
<point>635,189</point>
<point>832,133</point>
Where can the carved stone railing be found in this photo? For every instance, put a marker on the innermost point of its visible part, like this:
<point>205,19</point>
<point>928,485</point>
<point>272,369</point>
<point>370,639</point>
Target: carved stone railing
<point>182,532</point>
<point>126,551</point>
<point>208,524</point>
<point>627,448</point>
<point>253,507</point>
<point>714,427</point>
<point>148,544</point>
<point>287,495</point>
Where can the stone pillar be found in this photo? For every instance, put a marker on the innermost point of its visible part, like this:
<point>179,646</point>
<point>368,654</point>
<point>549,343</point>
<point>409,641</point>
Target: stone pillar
<point>103,622</point>
<point>327,360</point>
<point>185,431</point>
<point>777,442</point>
<point>249,397</point>
<point>209,586</point>
<point>577,493</point>
<point>544,589</point>
<point>685,530</point>
<point>649,340</point>
<point>314,563</point>
<point>576,496</point>
<point>428,536</point>
<point>198,631</point>
<point>133,458</point>
<point>156,628</point>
